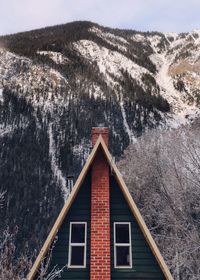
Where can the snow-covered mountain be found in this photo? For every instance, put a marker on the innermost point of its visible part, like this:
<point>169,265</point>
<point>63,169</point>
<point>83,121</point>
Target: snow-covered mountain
<point>58,82</point>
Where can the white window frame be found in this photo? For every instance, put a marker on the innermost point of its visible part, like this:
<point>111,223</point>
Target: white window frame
<point>77,244</point>
<point>122,245</point>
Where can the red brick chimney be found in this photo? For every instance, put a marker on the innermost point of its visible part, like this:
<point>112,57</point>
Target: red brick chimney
<point>100,213</point>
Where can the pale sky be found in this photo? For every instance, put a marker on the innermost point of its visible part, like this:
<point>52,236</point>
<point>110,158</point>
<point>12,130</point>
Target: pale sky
<point>143,15</point>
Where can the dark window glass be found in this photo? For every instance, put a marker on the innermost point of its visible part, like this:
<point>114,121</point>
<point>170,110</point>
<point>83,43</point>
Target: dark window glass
<point>122,256</point>
<point>78,233</point>
<point>122,233</point>
<point>77,255</point>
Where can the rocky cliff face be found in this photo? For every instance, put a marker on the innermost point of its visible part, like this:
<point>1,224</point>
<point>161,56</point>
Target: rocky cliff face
<point>58,82</point>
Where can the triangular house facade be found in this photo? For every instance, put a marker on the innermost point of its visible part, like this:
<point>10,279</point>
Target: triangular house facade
<point>101,234</point>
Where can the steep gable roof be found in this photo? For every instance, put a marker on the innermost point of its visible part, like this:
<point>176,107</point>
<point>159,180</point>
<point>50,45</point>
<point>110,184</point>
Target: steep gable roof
<point>100,143</point>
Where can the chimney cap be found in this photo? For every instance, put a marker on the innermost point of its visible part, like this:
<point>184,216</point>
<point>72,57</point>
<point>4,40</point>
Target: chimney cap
<point>100,129</point>
<point>96,131</point>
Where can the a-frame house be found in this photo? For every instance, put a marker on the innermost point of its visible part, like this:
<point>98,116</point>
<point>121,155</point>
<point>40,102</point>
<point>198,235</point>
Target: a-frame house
<point>100,232</point>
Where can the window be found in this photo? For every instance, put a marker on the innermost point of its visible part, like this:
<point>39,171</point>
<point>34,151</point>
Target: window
<point>122,245</point>
<point>77,245</point>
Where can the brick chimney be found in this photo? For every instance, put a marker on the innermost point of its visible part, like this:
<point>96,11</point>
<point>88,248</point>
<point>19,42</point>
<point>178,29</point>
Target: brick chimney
<point>100,213</point>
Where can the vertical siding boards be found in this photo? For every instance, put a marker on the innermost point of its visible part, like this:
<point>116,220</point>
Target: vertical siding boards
<point>145,266</point>
<point>79,211</point>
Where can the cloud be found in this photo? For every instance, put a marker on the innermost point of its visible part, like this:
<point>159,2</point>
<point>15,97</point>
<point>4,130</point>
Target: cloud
<point>165,15</point>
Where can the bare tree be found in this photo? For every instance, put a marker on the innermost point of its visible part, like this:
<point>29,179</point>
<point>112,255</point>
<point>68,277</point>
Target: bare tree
<point>16,265</point>
<point>162,171</point>
<point>11,265</point>
<point>45,271</point>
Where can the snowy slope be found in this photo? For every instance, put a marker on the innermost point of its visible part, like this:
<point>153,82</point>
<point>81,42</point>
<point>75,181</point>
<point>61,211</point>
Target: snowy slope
<point>176,58</point>
<point>126,67</point>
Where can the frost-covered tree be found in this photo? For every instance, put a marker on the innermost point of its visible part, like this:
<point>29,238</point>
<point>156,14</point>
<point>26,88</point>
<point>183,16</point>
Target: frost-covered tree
<point>13,265</point>
<point>162,171</point>
<point>16,265</point>
<point>2,195</point>
<point>46,271</point>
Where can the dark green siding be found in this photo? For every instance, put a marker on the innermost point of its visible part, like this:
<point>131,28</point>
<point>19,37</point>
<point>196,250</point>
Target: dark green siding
<point>79,211</point>
<point>145,266</point>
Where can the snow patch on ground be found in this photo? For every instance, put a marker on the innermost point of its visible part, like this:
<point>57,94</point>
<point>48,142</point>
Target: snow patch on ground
<point>54,164</point>
<point>126,126</point>
<point>195,33</point>
<point>169,35</point>
<point>138,38</point>
<point>58,75</point>
<point>5,130</point>
<point>1,95</point>
<point>110,38</point>
<point>57,57</point>
<point>96,92</point>
<point>82,151</point>
<point>10,129</point>
<point>154,41</point>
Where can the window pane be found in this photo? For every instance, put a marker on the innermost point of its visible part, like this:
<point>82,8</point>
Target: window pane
<point>122,233</point>
<point>78,233</point>
<point>122,256</point>
<point>77,255</point>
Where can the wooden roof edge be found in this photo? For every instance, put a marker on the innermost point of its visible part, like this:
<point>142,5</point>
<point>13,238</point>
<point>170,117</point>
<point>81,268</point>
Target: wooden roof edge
<point>64,211</point>
<point>137,214</point>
